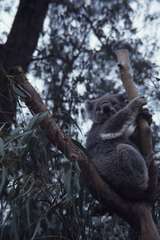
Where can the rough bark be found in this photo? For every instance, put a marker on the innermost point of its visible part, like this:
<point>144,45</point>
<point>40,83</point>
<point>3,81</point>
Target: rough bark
<point>148,229</point>
<point>18,49</point>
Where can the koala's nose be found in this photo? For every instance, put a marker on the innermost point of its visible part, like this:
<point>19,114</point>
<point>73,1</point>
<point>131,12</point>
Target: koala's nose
<point>106,109</point>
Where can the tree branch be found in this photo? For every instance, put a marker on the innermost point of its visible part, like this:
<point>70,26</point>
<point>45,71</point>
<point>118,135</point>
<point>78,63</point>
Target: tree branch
<point>148,228</point>
<point>130,87</point>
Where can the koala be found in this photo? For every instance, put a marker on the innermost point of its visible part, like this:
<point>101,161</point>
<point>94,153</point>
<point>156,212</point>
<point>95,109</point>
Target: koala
<point>109,145</point>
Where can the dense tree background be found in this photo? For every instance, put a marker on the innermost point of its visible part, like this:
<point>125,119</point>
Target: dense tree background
<point>70,60</point>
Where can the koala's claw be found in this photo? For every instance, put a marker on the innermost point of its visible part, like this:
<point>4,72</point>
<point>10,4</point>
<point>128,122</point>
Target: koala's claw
<point>140,100</point>
<point>144,113</point>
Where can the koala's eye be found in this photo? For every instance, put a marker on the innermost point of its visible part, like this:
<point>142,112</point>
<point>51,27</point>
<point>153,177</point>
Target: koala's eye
<point>114,103</point>
<point>98,109</point>
<point>106,109</point>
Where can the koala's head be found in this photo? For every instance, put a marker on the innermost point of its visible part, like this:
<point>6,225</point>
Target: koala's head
<point>102,108</point>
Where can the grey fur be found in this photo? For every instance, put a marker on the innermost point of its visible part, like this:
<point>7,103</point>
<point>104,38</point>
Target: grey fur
<point>115,156</point>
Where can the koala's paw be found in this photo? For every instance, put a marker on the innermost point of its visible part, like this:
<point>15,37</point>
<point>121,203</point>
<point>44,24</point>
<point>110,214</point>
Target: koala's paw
<point>145,114</point>
<point>138,102</point>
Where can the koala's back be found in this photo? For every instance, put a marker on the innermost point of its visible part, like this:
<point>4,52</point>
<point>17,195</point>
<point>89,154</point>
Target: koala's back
<point>119,163</point>
<point>101,151</point>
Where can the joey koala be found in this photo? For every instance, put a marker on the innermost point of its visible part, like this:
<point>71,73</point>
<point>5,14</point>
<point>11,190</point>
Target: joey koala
<point>116,157</point>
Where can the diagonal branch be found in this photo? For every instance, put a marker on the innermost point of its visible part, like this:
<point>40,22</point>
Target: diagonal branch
<point>102,190</point>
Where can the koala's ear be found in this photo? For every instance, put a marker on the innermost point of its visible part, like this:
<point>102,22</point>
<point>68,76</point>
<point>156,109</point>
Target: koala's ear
<point>90,108</point>
<point>89,105</point>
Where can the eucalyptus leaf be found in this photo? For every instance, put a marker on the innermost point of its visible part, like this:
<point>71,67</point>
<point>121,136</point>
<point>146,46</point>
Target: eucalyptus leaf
<point>16,132</point>
<point>37,119</point>
<point>2,151</point>
<point>27,206</point>
<point>3,178</point>
<point>36,230</point>
<point>67,181</point>
<point>19,92</point>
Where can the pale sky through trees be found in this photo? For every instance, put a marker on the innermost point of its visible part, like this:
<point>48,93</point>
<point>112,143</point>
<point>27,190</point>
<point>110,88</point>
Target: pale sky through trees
<point>147,31</point>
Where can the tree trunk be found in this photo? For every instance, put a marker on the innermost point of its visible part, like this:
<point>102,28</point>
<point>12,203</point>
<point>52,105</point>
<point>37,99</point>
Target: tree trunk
<point>148,230</point>
<point>21,43</point>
